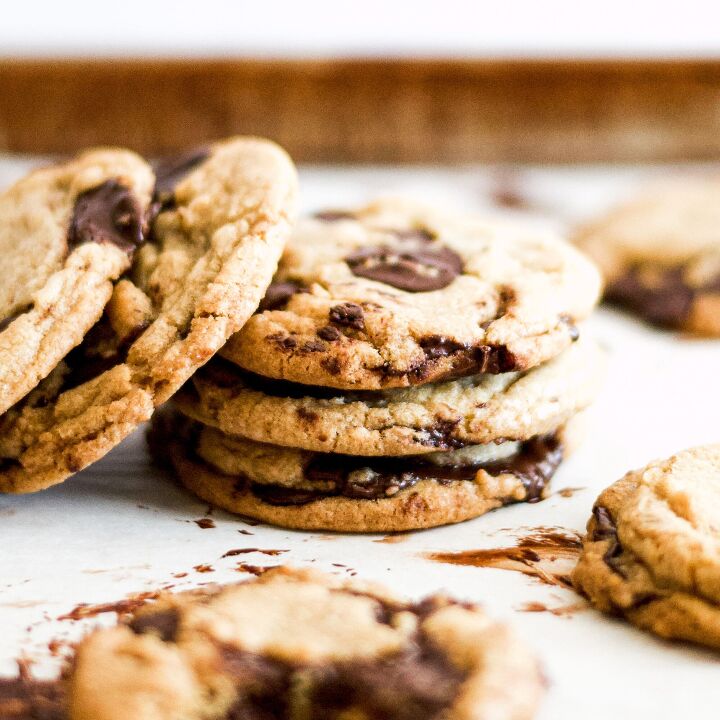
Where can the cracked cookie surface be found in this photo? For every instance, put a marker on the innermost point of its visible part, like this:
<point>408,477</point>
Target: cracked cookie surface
<point>394,294</point>
<point>421,419</point>
<point>660,254</point>
<point>302,645</point>
<point>221,219</point>
<point>652,550</point>
<point>67,233</point>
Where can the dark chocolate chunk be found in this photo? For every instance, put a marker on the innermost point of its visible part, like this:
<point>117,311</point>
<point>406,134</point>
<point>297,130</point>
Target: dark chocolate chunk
<point>436,346</point>
<point>605,529</point>
<point>329,333</point>
<point>416,684</point>
<point>263,685</point>
<point>347,315</point>
<point>412,268</point>
<point>466,359</point>
<point>665,299</point>
<point>108,213</point>
<point>163,623</point>
<point>331,364</point>
<point>170,171</point>
<point>441,435</point>
<point>534,465</point>
<point>278,294</point>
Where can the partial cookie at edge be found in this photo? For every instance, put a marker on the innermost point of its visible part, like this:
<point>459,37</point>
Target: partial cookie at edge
<point>67,233</point>
<point>213,256</point>
<point>651,553</point>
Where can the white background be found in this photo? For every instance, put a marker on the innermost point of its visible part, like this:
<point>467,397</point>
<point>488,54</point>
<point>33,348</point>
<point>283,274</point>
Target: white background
<point>123,527</point>
<point>367,27</point>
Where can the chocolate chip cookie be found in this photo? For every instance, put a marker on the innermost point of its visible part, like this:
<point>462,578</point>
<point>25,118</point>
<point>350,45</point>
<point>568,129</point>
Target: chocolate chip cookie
<point>441,416</point>
<point>67,233</point>
<point>660,255</point>
<point>221,217</point>
<point>328,491</point>
<point>295,644</point>
<point>394,295</point>
<point>652,550</point>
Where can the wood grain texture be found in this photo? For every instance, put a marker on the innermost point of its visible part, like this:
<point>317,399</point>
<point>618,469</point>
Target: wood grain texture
<point>438,111</point>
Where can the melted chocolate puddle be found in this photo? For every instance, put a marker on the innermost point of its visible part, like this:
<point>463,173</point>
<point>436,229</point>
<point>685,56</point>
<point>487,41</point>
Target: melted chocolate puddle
<point>372,478</point>
<point>205,523</point>
<point>262,551</point>
<point>546,555</point>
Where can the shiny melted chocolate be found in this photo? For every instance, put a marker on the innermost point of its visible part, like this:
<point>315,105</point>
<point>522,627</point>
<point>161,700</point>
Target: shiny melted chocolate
<point>170,171</point>
<point>410,265</point>
<point>372,478</point>
<point>108,213</point>
<point>605,529</point>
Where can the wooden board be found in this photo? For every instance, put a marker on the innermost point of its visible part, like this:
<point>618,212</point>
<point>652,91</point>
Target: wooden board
<point>388,111</point>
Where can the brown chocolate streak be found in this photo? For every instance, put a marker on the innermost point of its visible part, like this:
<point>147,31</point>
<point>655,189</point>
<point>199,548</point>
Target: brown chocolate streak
<point>533,555</point>
<point>243,551</point>
<point>121,607</point>
<point>205,523</point>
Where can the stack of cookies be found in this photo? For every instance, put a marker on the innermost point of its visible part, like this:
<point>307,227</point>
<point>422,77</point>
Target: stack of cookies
<point>405,369</point>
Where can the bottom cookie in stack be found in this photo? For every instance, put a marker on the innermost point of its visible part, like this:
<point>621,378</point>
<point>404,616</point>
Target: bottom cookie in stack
<point>325,491</point>
<point>402,460</point>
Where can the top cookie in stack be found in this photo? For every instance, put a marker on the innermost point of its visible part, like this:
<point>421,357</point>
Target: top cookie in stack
<point>406,369</point>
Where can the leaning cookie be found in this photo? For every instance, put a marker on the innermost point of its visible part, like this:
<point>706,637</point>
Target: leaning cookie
<point>443,416</point>
<point>393,295</point>
<point>326,491</point>
<point>67,233</point>
<point>652,550</point>
<point>660,255</point>
<point>303,645</point>
<point>222,217</point>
